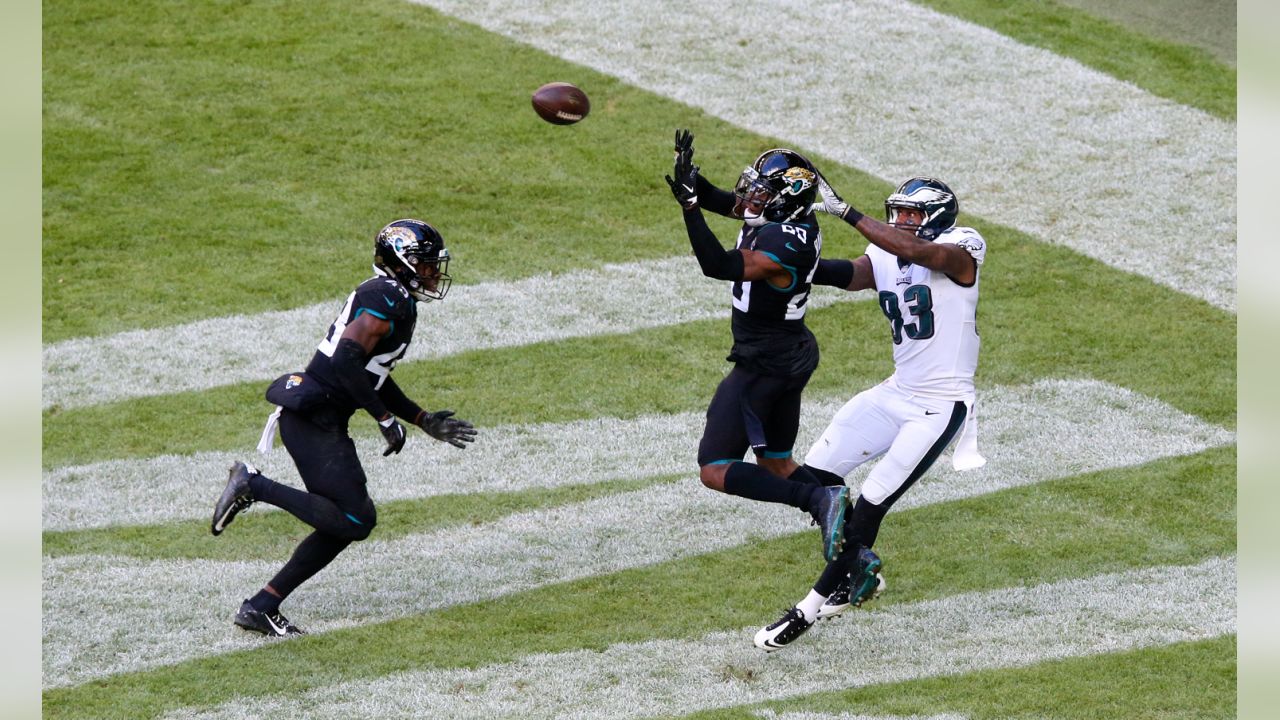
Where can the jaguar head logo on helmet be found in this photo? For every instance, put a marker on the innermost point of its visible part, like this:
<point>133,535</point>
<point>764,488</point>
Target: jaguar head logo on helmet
<point>413,253</point>
<point>778,187</point>
<point>932,198</point>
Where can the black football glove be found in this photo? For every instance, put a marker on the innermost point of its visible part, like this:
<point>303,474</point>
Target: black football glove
<point>684,152</point>
<point>685,185</point>
<point>442,426</point>
<point>393,431</point>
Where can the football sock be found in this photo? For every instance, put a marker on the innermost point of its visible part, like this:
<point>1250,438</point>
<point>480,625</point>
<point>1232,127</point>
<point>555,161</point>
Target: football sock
<point>317,511</point>
<point>824,477</point>
<point>265,602</point>
<point>314,552</point>
<point>862,524</point>
<point>810,604</point>
<point>835,572</point>
<point>755,483</point>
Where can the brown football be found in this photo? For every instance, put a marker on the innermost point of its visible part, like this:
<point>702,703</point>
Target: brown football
<point>561,103</point>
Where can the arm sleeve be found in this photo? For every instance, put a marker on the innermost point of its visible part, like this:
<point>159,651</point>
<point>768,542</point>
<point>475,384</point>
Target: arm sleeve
<point>718,201</point>
<point>836,273</point>
<point>399,404</point>
<point>348,363</point>
<point>716,262</point>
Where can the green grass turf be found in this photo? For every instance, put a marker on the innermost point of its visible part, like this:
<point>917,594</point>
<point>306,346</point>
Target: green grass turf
<point>1173,511</point>
<point>1046,312</point>
<point>276,534</point>
<point>210,158</point>
<point>1182,73</point>
<point>1184,681</point>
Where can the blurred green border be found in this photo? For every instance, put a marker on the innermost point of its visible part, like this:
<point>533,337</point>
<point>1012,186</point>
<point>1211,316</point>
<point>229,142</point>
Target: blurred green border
<point>20,480</point>
<point>1258,56</point>
<point>1259,342</point>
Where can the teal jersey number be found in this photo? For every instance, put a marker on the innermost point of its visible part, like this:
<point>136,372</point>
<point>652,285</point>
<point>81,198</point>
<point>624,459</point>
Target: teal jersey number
<point>921,308</point>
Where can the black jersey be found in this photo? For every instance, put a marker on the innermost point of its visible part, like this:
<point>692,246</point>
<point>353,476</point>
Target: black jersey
<point>381,297</point>
<point>769,334</point>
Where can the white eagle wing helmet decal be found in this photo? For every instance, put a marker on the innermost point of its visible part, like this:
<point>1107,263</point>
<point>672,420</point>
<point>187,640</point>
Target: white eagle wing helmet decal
<point>929,196</point>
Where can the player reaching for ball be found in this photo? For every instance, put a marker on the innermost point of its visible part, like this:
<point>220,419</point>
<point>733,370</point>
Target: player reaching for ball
<point>926,271</point>
<point>757,405</point>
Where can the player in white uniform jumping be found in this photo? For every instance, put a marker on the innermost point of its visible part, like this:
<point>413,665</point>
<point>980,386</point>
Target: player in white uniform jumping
<point>926,270</point>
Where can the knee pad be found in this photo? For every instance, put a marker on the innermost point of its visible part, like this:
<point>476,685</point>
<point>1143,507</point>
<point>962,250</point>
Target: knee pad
<point>362,524</point>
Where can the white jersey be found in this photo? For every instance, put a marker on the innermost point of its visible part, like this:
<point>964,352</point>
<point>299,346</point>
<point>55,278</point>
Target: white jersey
<point>933,320</point>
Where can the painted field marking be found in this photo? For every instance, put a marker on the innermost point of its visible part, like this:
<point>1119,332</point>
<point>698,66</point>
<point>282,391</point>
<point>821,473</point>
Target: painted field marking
<point>1008,628</point>
<point>1027,138</point>
<point>103,616</point>
<point>1051,428</point>
<point>222,351</point>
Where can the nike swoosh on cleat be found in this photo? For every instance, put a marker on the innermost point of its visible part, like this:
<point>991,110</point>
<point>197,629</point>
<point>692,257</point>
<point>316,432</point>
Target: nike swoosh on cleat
<point>279,630</point>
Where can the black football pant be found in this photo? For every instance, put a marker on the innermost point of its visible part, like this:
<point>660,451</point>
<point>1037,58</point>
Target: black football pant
<point>336,504</point>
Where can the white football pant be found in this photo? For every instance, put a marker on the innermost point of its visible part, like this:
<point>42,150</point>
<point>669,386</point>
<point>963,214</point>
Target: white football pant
<point>910,431</point>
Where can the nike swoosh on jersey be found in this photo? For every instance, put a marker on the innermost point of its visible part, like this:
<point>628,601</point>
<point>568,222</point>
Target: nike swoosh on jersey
<point>788,246</point>
<point>930,412</point>
<point>390,303</point>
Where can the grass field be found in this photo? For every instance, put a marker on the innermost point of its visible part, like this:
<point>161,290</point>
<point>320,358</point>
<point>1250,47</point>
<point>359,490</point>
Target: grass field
<point>213,174</point>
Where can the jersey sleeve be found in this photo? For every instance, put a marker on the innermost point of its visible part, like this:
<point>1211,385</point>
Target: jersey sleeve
<point>791,246</point>
<point>383,298</point>
<point>969,239</point>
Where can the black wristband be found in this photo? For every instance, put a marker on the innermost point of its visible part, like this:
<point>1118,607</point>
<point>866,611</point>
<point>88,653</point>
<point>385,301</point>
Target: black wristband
<point>852,216</point>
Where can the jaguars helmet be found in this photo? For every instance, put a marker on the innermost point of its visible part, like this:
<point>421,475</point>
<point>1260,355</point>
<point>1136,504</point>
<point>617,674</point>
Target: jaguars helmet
<point>405,249</point>
<point>931,197</point>
<point>781,183</point>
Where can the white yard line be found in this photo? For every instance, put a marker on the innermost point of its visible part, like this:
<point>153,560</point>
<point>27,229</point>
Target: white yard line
<point>222,351</point>
<point>103,616</point>
<point>1009,628</point>
<point>1026,138</point>
<point>1049,429</point>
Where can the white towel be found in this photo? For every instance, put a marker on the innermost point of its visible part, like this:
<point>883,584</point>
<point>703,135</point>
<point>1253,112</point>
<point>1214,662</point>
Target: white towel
<point>966,455</point>
<point>269,432</point>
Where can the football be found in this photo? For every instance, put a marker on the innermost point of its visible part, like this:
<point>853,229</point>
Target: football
<point>561,103</point>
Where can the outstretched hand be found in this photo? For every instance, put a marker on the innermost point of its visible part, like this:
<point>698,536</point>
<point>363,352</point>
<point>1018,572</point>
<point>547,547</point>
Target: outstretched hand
<point>831,203</point>
<point>442,426</point>
<point>684,152</point>
<point>685,185</point>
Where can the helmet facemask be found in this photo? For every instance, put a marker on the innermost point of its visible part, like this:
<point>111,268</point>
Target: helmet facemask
<point>782,184</point>
<point>405,250</point>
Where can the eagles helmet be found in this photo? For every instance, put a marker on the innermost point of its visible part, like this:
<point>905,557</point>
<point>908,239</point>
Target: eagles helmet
<point>405,249</point>
<point>931,197</point>
<point>782,183</point>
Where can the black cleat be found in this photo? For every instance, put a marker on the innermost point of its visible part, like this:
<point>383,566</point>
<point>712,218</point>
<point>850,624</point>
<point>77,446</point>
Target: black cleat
<point>830,517</point>
<point>781,633</point>
<point>273,624</point>
<point>235,497</point>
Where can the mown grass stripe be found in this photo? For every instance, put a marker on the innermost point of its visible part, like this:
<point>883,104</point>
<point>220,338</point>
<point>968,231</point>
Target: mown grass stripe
<point>530,549</point>
<point>222,351</point>
<point>1036,141</point>
<point>1011,627</point>
<point>1048,428</point>
<point>1110,521</point>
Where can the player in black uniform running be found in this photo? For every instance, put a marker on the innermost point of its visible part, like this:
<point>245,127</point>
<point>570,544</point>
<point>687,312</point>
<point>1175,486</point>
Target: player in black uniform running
<point>757,405</point>
<point>351,369</point>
